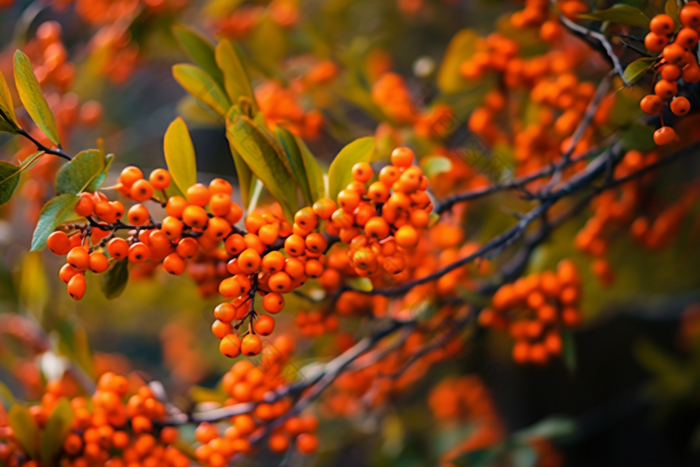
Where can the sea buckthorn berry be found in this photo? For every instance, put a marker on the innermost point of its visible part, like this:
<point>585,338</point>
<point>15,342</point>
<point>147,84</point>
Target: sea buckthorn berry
<point>269,233</point>
<point>673,53</point>
<point>76,287</point>
<point>377,228</point>
<point>198,194</point>
<point>221,329</point>
<point>662,24</point>
<point>273,303</point>
<point>251,345</point>
<point>159,179</point>
<point>295,245</point>
<point>85,205</point>
<point>172,228</point>
<point>218,228</point>
<point>78,258</point>
<point>652,104</point>
<point>118,248</point>
<point>220,186</point>
<point>235,244</point>
<point>249,261</point>
<point>324,208</point>
<point>273,262</point>
<point>118,209</point>
<point>407,237</point>
<point>687,37</point>
<point>664,135</point>
<point>67,272</point>
<point>138,253</point>
<point>230,346</point>
<point>670,72</point>
<point>187,248</point>
<point>378,192</point>
<point>362,172</point>
<point>195,216</point>
<point>348,200</point>
<point>174,264</point>
<point>59,243</point>
<point>253,223</point>
<point>98,262</point>
<point>691,73</point>
<point>666,89</point>
<point>105,211</point>
<point>138,214</point>
<point>141,190</point>
<point>235,214</point>
<point>680,106</point>
<point>316,243</point>
<point>278,443</point>
<point>130,175</point>
<point>402,157</point>
<point>306,218</point>
<point>225,312</point>
<point>254,242</point>
<point>280,282</point>
<point>264,325</point>
<point>389,175</point>
<point>175,206</point>
<point>690,15</point>
<point>307,443</point>
<point>220,204</point>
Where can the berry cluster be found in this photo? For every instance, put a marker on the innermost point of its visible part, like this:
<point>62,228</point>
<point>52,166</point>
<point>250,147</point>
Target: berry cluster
<point>105,431</point>
<point>281,106</point>
<point>678,61</point>
<point>533,309</point>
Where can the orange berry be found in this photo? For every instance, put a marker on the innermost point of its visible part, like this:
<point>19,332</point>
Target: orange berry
<point>198,194</point>
<point>652,104</point>
<point>85,205</point>
<point>195,216</point>
<point>662,24</point>
<point>406,237</point>
<point>273,303</point>
<point>278,443</point>
<point>273,262</point>
<point>130,175</point>
<point>175,206</point>
<point>680,106</point>
<point>78,258</point>
<point>280,282</point>
<point>59,243</point>
<point>687,37</point>
<point>264,325</point>
<point>402,157</point>
<point>316,243</point>
<point>118,248</point>
<point>139,252</point>
<point>159,179</point>
<point>249,261</point>
<point>98,262</point>
<point>138,214</point>
<point>67,272</point>
<point>76,287</point>
<point>174,264</point>
<point>664,135</point>
<point>294,245</point>
<point>665,89</point>
<point>362,172</point>
<point>348,200</point>
<point>187,248</point>
<point>220,186</point>
<point>690,15</point>
<point>307,443</point>
<point>221,329</point>
<point>673,53</point>
<point>141,190</point>
<point>220,204</point>
<point>230,346</point>
<point>251,345</point>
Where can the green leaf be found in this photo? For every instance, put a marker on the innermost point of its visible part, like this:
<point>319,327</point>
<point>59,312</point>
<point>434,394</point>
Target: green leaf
<point>6,396</point>
<point>179,155</point>
<point>262,158</point>
<point>637,68</point>
<point>569,350</point>
<point>54,213</point>
<point>340,172</point>
<point>97,182</point>
<point>9,179</point>
<point>637,136</point>
<point>461,48</point>
<point>76,175</point>
<point>549,428</point>
<point>236,81</point>
<point>198,83</point>
<point>31,96</point>
<point>201,394</point>
<point>433,165</point>
<point>200,50</point>
<point>113,282</point>
<point>7,108</point>
<point>24,428</point>
<point>55,432</point>
<point>295,162</point>
<point>360,283</point>
<point>620,14</point>
<point>314,173</point>
<point>673,9</point>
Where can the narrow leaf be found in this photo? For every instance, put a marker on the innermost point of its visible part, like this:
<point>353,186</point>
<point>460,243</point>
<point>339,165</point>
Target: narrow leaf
<point>461,47</point>
<point>314,173</point>
<point>198,83</point>
<point>340,172</point>
<point>620,14</point>
<point>57,428</point>
<point>179,155</point>
<point>295,162</point>
<point>54,213</point>
<point>637,68</point>
<point>200,50</point>
<point>24,428</point>
<point>236,79</point>
<point>9,179</point>
<point>97,182</point>
<point>31,96</point>
<point>76,175</point>
<point>6,105</point>
<point>114,281</point>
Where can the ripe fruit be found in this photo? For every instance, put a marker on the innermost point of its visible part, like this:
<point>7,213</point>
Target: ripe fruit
<point>662,24</point>
<point>159,179</point>
<point>230,346</point>
<point>59,243</point>
<point>78,258</point>
<point>664,135</point>
<point>273,303</point>
<point>265,325</point>
<point>98,262</point>
<point>76,287</point>
<point>652,104</point>
<point>139,252</point>
<point>680,106</point>
<point>118,248</point>
<point>251,345</point>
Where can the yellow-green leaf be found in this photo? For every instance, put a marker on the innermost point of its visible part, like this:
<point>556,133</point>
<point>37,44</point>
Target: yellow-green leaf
<point>619,14</point>
<point>179,155</point>
<point>102,176</point>
<point>340,172</point>
<point>637,68</point>
<point>433,165</point>
<point>10,175</point>
<point>461,47</point>
<point>198,83</point>
<point>31,96</point>
<point>7,107</point>
<point>57,428</point>
<point>255,149</point>
<point>24,428</point>
<point>54,213</point>
<point>295,162</point>
<point>6,397</point>
<point>76,175</point>
<point>200,50</point>
<point>33,284</point>
<point>236,79</point>
<point>314,174</point>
